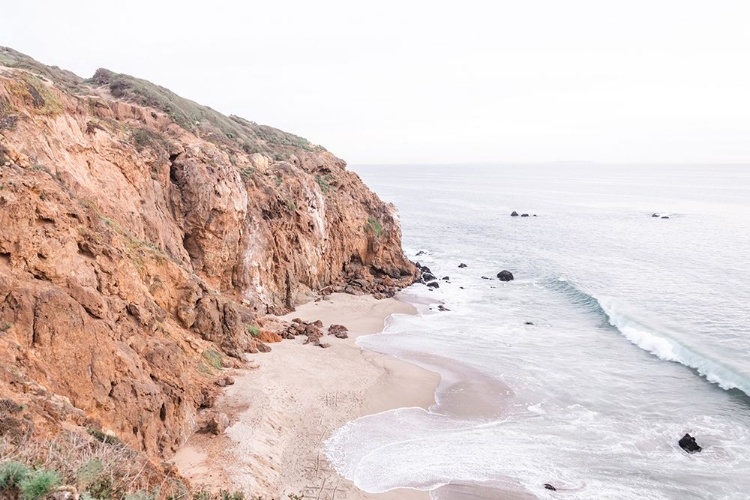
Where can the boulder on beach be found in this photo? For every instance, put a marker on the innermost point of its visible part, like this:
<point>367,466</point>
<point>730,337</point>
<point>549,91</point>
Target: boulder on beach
<point>218,423</point>
<point>428,277</point>
<point>505,275</point>
<point>688,444</point>
<point>462,265</point>
<point>339,331</point>
<point>514,214</point>
<point>433,284</point>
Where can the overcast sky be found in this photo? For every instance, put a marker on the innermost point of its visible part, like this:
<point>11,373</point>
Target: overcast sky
<point>433,82</point>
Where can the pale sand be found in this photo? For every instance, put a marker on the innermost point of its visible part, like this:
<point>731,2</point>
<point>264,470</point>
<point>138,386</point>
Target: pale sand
<point>284,410</point>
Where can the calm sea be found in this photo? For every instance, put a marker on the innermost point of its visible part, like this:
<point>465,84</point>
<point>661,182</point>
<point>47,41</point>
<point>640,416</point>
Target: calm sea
<point>620,333</point>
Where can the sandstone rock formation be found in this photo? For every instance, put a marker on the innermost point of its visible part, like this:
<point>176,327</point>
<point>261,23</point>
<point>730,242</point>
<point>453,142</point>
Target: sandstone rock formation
<point>141,236</point>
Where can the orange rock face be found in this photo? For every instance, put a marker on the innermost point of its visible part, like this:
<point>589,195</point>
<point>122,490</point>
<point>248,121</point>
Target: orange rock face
<point>136,248</point>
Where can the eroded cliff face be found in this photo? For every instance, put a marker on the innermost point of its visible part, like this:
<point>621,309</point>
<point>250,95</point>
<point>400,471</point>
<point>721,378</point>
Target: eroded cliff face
<point>140,236</point>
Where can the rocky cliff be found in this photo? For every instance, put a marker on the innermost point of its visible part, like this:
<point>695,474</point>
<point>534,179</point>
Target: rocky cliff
<point>141,234</point>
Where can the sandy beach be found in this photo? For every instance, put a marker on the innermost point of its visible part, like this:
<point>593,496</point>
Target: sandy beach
<point>284,409</point>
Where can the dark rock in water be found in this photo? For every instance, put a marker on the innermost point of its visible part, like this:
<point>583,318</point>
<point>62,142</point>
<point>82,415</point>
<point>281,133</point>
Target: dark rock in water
<point>441,307</point>
<point>421,252</point>
<point>654,215</point>
<point>462,265</point>
<point>445,278</point>
<point>524,215</point>
<point>485,278</point>
<point>433,284</point>
<point>664,217</point>
<point>529,323</point>
<point>428,276</point>
<point>461,287</point>
<point>688,444</point>
<point>505,276</point>
<point>425,269</point>
<point>514,214</point>
<point>548,486</point>
<point>534,215</point>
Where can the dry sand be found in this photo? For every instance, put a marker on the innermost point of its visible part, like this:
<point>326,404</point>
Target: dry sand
<point>283,411</point>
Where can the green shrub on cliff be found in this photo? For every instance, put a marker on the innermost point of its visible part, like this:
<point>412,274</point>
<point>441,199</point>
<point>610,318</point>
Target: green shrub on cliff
<point>213,358</point>
<point>11,474</point>
<point>38,484</point>
<point>374,225</point>
<point>253,330</point>
<point>324,183</point>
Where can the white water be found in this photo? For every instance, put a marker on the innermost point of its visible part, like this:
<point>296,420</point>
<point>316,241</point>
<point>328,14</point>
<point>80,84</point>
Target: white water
<point>641,332</point>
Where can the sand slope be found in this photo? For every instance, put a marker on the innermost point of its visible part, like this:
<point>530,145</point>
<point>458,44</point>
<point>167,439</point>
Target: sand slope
<point>284,410</point>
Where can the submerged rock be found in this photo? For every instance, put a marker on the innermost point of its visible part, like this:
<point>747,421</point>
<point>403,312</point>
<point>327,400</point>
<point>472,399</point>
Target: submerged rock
<point>462,265</point>
<point>688,444</point>
<point>446,278</point>
<point>548,486</point>
<point>654,215</point>
<point>514,214</point>
<point>441,307</point>
<point>433,284</point>
<point>505,275</point>
<point>664,217</point>
<point>524,215</point>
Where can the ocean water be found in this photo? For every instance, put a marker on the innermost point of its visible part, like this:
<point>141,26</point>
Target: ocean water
<point>641,333</point>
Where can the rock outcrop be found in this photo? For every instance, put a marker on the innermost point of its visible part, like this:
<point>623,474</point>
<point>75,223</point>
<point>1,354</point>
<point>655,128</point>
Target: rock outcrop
<point>141,236</point>
<point>505,275</point>
<point>688,443</point>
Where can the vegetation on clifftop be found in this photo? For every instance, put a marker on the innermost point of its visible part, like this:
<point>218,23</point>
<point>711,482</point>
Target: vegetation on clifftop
<point>202,120</point>
<point>208,123</point>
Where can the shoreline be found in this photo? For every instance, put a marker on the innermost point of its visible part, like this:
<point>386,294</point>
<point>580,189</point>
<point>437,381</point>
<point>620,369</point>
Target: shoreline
<point>287,404</point>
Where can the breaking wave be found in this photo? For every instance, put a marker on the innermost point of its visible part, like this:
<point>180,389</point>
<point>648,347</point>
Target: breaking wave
<point>658,343</point>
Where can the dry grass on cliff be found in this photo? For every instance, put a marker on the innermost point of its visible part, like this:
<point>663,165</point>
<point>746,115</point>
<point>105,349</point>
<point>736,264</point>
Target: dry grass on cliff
<point>14,59</point>
<point>98,467</point>
<point>105,469</point>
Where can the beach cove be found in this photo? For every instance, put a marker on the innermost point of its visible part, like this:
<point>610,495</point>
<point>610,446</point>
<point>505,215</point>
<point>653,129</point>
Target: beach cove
<point>284,409</point>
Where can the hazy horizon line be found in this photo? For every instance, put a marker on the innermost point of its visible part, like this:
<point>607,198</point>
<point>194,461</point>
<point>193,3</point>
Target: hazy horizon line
<point>559,162</point>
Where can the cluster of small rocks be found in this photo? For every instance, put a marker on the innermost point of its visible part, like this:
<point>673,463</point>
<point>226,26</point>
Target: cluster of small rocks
<point>312,330</point>
<point>426,276</point>
<point>360,280</point>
